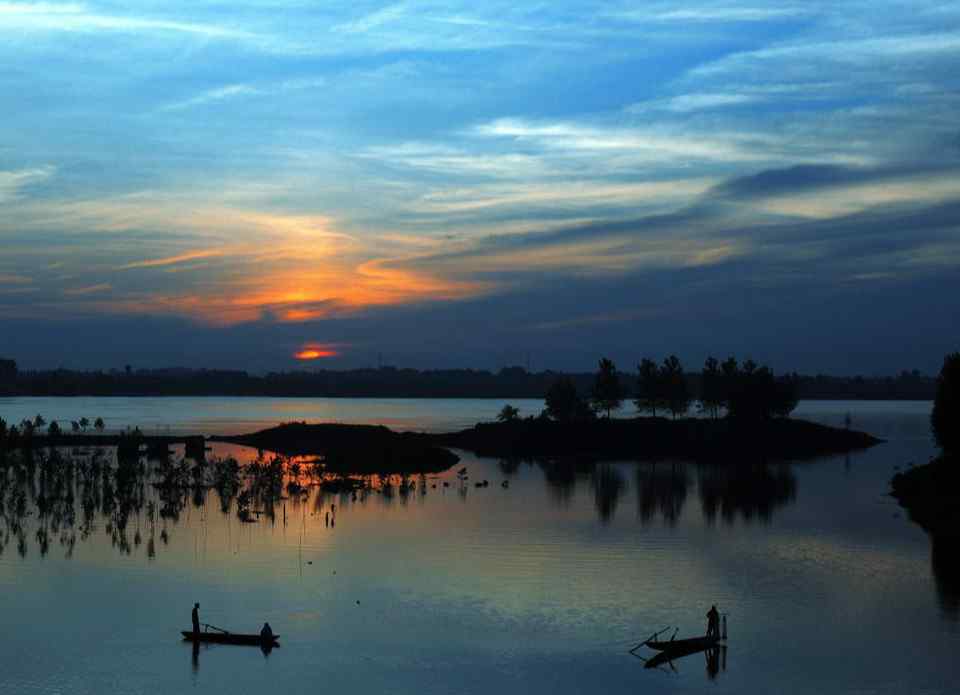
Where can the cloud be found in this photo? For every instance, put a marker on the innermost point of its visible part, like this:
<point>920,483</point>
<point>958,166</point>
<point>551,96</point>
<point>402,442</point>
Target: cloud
<point>797,57</point>
<point>90,289</point>
<point>213,95</point>
<point>55,17</point>
<point>173,260</point>
<point>373,20</point>
<point>831,191</point>
<point>728,14</point>
<point>12,183</point>
<point>643,144</point>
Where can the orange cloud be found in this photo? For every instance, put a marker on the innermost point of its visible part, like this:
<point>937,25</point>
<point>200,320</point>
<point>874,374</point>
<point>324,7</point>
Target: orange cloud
<point>315,351</point>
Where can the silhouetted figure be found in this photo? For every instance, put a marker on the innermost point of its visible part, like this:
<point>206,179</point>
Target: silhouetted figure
<point>266,634</point>
<point>713,623</point>
<point>195,615</point>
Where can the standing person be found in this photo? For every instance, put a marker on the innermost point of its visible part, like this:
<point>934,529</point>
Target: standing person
<point>195,616</point>
<point>713,623</point>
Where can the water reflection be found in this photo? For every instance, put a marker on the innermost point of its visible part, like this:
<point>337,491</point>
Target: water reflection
<point>715,659</point>
<point>946,573</point>
<point>746,491</point>
<point>51,498</point>
<point>608,485</point>
<point>561,477</point>
<point>661,490</point>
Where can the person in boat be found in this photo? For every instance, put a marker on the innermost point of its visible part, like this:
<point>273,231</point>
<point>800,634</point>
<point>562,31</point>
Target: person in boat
<point>195,616</point>
<point>266,634</point>
<point>713,623</point>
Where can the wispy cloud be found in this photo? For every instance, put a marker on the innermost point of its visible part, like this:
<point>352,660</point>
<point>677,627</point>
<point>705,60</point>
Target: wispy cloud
<point>12,183</point>
<point>726,13</point>
<point>88,290</point>
<point>55,17</point>
<point>375,19</point>
<point>212,96</point>
<point>644,144</point>
<point>173,260</point>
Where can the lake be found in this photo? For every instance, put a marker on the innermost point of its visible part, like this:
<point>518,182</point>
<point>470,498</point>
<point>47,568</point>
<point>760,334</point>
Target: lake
<point>540,586</point>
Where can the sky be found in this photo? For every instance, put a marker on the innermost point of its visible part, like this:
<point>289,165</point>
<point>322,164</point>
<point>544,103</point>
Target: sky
<point>286,184</point>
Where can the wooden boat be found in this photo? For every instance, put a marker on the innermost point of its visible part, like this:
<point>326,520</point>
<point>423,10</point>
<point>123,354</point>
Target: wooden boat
<point>679,645</point>
<point>230,638</point>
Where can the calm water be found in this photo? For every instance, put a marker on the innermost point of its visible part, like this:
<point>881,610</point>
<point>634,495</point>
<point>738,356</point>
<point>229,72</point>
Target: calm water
<point>538,587</point>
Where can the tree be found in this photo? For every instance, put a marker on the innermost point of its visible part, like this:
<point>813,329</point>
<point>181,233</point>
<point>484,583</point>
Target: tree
<point>787,396</point>
<point>508,414</point>
<point>729,381</point>
<point>945,418</point>
<point>673,385</point>
<point>711,388</point>
<point>98,425</point>
<point>752,392</point>
<point>75,426</point>
<point>38,421</point>
<point>53,429</point>
<point>607,392</point>
<point>84,424</point>
<point>564,403</point>
<point>649,389</point>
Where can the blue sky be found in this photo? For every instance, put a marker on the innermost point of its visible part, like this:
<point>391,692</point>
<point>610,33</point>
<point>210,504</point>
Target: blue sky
<point>467,184</point>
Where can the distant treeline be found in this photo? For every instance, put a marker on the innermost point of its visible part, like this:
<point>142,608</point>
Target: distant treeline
<point>392,382</point>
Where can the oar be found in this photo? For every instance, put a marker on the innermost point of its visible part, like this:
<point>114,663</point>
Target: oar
<point>219,629</point>
<point>649,639</point>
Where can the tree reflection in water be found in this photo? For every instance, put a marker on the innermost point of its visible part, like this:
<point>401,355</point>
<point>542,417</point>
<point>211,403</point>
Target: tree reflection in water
<point>946,572</point>
<point>561,476</point>
<point>52,497</point>
<point>661,489</point>
<point>746,491</point>
<point>608,485</point>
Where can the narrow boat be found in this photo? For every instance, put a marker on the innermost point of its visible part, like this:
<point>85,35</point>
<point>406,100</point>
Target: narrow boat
<point>678,645</point>
<point>230,638</point>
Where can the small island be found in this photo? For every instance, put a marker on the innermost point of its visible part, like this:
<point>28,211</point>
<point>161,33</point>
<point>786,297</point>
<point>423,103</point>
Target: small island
<point>353,449</point>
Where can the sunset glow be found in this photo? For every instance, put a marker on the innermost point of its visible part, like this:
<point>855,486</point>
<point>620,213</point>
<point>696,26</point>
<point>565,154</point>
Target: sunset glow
<point>383,172</point>
<point>316,352</point>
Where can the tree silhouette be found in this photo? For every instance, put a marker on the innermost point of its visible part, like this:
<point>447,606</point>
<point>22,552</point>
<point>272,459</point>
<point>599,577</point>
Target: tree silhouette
<point>711,388</point>
<point>84,424</point>
<point>673,385</point>
<point>98,424</point>
<point>649,387</point>
<point>607,392</point>
<point>945,418</point>
<point>53,429</point>
<point>564,403</point>
<point>508,414</point>
<point>752,392</point>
